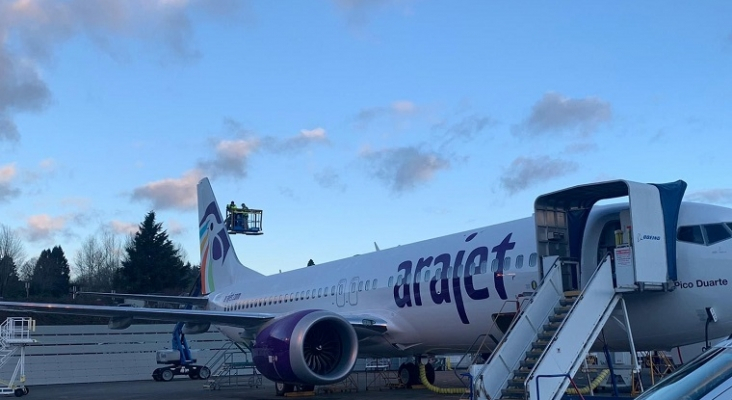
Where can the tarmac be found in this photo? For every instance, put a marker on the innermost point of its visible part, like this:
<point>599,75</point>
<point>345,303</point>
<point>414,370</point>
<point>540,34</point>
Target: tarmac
<point>360,386</point>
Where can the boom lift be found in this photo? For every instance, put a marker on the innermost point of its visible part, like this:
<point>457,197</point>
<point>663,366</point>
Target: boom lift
<point>178,359</point>
<point>244,220</point>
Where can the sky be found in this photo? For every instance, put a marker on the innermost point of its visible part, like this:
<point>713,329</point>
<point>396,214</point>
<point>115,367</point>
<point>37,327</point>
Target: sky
<point>348,122</point>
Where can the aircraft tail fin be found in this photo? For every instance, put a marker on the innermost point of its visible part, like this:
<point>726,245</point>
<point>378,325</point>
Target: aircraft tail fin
<point>220,266</point>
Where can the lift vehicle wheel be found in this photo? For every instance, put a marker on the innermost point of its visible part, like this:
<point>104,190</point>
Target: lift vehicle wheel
<point>193,375</point>
<point>18,392</point>
<point>25,390</point>
<point>166,375</point>
<point>204,373</point>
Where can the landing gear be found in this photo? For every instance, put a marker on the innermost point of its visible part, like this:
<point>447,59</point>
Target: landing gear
<point>282,388</point>
<point>429,370</point>
<point>408,374</point>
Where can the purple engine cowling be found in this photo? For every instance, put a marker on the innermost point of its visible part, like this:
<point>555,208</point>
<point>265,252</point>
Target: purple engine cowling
<point>311,347</point>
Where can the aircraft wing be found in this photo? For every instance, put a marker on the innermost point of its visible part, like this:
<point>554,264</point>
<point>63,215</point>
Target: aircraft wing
<point>244,320</point>
<point>196,301</point>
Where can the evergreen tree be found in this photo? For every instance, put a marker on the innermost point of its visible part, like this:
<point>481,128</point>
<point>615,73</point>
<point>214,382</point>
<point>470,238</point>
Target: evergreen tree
<point>10,285</point>
<point>51,273</point>
<point>152,263</point>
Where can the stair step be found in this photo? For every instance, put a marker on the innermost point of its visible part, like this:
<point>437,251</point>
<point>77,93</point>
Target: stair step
<point>557,317</point>
<point>567,301</point>
<point>534,353</point>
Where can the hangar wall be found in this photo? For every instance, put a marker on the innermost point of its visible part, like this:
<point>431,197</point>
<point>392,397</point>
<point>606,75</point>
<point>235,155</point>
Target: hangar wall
<point>95,353</point>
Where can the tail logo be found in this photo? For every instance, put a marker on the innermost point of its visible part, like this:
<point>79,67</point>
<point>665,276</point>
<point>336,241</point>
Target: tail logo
<point>214,246</point>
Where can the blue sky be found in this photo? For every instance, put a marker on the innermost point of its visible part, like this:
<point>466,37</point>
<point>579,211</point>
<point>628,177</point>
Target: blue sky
<point>349,121</point>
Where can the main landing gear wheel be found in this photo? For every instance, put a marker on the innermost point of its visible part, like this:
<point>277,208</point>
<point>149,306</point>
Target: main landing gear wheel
<point>166,375</point>
<point>281,388</point>
<point>409,374</point>
<point>429,370</point>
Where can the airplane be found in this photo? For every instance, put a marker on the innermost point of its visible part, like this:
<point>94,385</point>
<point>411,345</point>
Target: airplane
<point>308,326</point>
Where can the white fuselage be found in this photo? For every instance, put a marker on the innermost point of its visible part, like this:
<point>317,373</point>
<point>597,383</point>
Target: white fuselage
<point>426,314</point>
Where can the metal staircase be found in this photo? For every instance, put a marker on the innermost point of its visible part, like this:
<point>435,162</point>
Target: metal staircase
<point>554,333</point>
<point>548,341</point>
<point>14,336</point>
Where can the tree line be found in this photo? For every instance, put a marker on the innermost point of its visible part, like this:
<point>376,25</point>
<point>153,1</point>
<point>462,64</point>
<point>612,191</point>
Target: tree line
<point>147,262</point>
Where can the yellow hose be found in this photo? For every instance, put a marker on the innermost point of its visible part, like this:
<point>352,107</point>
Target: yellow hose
<point>593,385</point>
<point>428,385</point>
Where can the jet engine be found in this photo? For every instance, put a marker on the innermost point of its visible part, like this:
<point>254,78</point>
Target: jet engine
<point>312,347</point>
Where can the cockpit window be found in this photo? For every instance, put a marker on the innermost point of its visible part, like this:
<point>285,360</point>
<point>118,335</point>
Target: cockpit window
<point>716,233</point>
<point>691,234</point>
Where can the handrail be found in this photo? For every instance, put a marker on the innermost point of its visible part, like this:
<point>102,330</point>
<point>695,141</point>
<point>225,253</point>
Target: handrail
<point>538,393</point>
<point>556,264</point>
<point>574,304</point>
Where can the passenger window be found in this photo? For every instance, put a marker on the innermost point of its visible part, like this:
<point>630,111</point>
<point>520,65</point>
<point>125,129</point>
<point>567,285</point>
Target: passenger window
<point>507,263</point>
<point>399,280</point>
<point>307,294</point>
<point>325,291</point>
<point>320,292</point>
<point>418,276</point>
<point>368,285</point>
<point>519,261</point>
<point>408,279</point>
<point>426,276</point>
<point>483,267</point>
<point>391,281</point>
<point>374,286</point>
<point>438,274</point>
<point>332,291</point>
<point>281,297</point>
<point>460,270</point>
<point>287,297</point>
<point>716,233</point>
<point>494,265</point>
<point>449,272</point>
<point>532,260</point>
<point>353,287</point>
<point>360,286</point>
<point>690,234</point>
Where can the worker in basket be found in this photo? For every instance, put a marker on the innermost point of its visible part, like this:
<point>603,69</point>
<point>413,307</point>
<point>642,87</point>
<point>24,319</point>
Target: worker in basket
<point>244,213</point>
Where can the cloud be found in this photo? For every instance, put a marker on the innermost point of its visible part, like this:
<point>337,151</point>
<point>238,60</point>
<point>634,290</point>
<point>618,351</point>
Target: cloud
<point>126,228</point>
<point>31,30</point>
<point>231,157</point>
<point>296,143</point>
<point>525,172</point>
<point>556,113</point>
<point>21,90</point>
<point>395,110</point>
<point>43,226</point>
<point>404,168</point>
<point>359,12</point>
<point>176,228</point>
<point>171,193</point>
<point>465,129</point>
<point>329,179</point>
<point>7,174</point>
<point>581,147</point>
<point>720,196</point>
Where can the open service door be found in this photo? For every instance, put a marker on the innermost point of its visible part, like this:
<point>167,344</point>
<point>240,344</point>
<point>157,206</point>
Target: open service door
<point>649,235</point>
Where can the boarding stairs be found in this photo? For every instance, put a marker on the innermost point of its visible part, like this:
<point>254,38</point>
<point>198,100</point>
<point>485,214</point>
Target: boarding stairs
<point>550,338</point>
<point>553,333</point>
